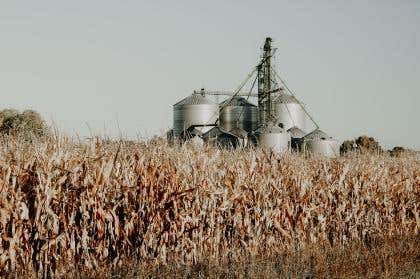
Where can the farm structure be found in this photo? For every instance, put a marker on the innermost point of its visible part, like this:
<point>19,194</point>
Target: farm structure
<point>277,120</point>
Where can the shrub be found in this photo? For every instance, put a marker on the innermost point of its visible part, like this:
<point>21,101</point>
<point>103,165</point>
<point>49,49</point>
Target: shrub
<point>399,151</point>
<point>368,144</point>
<point>362,144</point>
<point>26,124</point>
<point>347,146</point>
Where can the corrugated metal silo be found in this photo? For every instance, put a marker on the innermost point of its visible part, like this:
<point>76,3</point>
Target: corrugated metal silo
<point>274,138</point>
<point>238,113</point>
<point>320,143</point>
<point>287,110</point>
<point>195,110</point>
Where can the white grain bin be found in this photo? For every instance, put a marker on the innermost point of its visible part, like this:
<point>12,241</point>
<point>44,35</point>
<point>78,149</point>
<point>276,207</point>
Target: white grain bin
<point>319,143</point>
<point>195,111</point>
<point>275,138</point>
<point>287,110</point>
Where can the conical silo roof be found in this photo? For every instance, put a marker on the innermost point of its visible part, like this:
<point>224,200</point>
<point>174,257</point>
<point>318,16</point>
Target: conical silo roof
<point>195,99</point>
<point>317,135</point>
<point>296,133</point>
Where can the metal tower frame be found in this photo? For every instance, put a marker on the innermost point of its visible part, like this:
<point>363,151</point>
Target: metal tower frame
<point>265,83</point>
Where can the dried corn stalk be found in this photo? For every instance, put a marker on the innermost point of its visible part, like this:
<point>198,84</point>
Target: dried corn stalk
<point>66,205</point>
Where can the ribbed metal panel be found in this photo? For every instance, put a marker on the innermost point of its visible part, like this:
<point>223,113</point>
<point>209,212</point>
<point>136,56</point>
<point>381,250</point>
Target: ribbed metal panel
<point>287,110</point>
<point>195,110</point>
<point>238,113</point>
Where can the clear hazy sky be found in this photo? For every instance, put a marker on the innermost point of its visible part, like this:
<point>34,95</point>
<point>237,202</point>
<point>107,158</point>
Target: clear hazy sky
<point>111,66</point>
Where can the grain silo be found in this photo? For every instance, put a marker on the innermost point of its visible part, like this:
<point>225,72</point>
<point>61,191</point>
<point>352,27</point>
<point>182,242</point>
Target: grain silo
<point>278,121</point>
<point>320,143</point>
<point>238,113</point>
<point>195,111</point>
<point>274,138</point>
<point>287,110</point>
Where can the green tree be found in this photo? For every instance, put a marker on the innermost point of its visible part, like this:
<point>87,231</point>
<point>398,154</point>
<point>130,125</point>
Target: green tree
<point>26,124</point>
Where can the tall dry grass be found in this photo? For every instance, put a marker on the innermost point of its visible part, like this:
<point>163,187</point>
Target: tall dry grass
<point>73,208</point>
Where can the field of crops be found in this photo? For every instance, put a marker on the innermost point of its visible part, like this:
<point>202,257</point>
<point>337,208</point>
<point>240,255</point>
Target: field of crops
<point>69,208</point>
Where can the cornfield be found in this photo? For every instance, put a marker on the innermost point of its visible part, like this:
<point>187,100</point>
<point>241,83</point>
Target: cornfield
<point>69,207</point>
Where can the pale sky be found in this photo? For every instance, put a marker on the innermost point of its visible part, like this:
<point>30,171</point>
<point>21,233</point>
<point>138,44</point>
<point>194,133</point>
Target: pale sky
<point>118,66</point>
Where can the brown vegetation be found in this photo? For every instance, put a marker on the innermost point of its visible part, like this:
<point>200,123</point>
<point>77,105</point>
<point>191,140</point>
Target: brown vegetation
<point>390,258</point>
<point>70,208</point>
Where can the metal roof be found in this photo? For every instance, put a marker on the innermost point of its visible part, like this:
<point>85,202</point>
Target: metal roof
<point>317,135</point>
<point>295,132</point>
<point>285,98</point>
<point>237,101</point>
<point>236,132</point>
<point>195,99</point>
<point>212,132</point>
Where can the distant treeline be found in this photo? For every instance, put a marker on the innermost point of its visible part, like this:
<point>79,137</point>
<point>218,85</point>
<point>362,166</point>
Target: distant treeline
<point>366,144</point>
